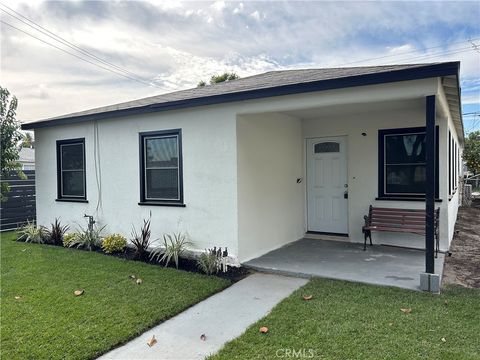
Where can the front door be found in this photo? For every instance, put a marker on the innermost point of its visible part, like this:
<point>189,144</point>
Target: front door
<point>327,188</point>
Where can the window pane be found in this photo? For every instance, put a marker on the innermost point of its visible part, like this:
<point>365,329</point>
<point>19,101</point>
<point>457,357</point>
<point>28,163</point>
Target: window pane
<point>402,149</point>
<point>327,147</point>
<point>162,152</point>
<point>405,179</point>
<point>72,157</point>
<point>72,183</point>
<point>162,183</point>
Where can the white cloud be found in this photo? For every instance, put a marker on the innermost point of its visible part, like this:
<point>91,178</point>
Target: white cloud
<point>176,44</point>
<point>218,5</point>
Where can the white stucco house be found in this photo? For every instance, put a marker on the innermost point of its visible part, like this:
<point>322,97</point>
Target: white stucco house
<point>256,163</point>
<point>26,157</point>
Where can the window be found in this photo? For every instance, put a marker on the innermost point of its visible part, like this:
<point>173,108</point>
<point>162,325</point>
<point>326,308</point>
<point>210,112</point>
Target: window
<point>327,147</point>
<point>450,169</point>
<point>402,163</point>
<point>71,182</point>
<point>161,168</point>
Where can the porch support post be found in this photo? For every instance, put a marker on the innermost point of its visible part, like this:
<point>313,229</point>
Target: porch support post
<point>430,185</point>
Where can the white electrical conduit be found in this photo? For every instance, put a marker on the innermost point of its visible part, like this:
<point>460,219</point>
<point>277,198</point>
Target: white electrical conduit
<point>98,172</point>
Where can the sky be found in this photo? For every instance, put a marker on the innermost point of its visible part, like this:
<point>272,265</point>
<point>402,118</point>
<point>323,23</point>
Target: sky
<point>165,46</point>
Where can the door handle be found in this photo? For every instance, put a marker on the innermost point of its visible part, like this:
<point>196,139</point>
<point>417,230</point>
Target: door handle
<point>345,195</point>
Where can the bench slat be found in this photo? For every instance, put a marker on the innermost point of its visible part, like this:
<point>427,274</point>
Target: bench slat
<point>399,213</point>
<point>398,221</point>
<point>397,229</point>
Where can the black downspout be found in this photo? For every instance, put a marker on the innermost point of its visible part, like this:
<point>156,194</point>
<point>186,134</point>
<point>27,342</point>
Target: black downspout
<point>430,185</point>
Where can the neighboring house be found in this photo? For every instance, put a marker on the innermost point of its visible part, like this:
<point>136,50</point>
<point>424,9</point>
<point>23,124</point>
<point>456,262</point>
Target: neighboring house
<point>259,162</point>
<point>27,158</point>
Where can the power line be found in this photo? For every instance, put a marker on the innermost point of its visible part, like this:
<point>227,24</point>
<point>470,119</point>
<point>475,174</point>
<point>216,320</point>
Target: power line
<point>75,55</point>
<point>409,52</point>
<point>63,41</point>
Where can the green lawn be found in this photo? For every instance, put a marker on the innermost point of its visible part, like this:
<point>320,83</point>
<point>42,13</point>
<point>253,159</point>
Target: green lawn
<point>354,321</point>
<point>49,322</point>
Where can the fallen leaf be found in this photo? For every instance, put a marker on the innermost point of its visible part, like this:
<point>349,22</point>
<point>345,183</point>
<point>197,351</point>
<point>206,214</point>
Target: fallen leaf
<point>203,337</point>
<point>139,281</point>
<point>78,292</point>
<point>24,250</point>
<point>152,341</point>
<point>18,297</point>
<point>391,324</point>
<point>307,297</point>
<point>263,329</point>
<point>132,277</point>
<point>406,310</point>
<point>444,340</point>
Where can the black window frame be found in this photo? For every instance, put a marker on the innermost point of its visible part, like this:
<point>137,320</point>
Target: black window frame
<point>60,196</point>
<point>381,163</point>
<point>159,134</point>
<point>450,165</point>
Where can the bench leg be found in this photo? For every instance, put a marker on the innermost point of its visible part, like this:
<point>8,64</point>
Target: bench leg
<point>366,234</point>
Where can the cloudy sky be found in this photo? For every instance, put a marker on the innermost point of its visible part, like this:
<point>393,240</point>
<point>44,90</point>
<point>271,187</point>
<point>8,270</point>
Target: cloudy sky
<point>164,46</point>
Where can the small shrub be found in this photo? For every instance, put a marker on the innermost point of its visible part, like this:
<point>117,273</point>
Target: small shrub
<point>114,243</point>
<point>88,239</point>
<point>68,239</point>
<point>173,247</point>
<point>141,241</point>
<point>56,233</point>
<point>31,233</point>
<point>208,262</point>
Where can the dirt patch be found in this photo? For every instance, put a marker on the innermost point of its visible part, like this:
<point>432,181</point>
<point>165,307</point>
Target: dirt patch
<point>463,266</point>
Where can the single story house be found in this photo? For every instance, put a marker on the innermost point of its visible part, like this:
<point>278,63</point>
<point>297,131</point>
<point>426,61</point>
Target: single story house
<point>26,158</point>
<point>256,163</point>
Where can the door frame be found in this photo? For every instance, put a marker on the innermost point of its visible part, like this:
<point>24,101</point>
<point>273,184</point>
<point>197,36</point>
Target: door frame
<point>305,149</point>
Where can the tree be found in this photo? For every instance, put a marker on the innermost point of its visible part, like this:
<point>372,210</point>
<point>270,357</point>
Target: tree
<point>215,79</point>
<point>10,138</point>
<point>471,152</point>
<point>28,141</point>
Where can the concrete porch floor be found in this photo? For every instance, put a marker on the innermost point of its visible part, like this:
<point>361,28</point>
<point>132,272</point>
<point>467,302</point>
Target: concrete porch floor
<point>379,265</point>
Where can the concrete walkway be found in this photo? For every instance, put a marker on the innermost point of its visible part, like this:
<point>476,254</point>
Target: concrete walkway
<point>221,317</point>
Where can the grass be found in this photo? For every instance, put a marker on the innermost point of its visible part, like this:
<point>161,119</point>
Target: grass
<point>355,321</point>
<point>49,322</point>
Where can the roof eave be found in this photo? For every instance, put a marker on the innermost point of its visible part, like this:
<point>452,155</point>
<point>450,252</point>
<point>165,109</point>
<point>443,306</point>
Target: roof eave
<point>435,70</point>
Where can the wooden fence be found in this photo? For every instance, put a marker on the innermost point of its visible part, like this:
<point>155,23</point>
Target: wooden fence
<point>20,205</point>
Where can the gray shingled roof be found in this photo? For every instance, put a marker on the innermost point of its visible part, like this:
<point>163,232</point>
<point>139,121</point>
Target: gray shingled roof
<point>266,80</point>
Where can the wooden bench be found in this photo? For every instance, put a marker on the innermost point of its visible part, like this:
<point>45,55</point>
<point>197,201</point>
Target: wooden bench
<point>398,220</point>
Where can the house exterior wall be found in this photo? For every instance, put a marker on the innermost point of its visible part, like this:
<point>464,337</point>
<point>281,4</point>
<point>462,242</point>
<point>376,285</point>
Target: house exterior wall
<point>363,163</point>
<point>209,176</point>
<point>240,165</point>
<point>454,200</point>
<point>270,201</point>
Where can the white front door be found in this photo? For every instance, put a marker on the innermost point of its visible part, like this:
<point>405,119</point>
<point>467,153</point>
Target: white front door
<point>327,191</point>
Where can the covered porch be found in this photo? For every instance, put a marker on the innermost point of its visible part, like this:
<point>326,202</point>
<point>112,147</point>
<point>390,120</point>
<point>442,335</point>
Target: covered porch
<point>315,165</point>
<point>379,265</point>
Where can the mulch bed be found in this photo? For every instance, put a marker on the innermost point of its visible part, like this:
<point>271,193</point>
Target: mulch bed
<point>234,273</point>
<point>463,266</point>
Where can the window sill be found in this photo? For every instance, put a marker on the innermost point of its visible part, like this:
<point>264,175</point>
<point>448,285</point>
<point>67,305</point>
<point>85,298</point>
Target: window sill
<point>72,200</point>
<point>160,203</point>
<point>398,198</point>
